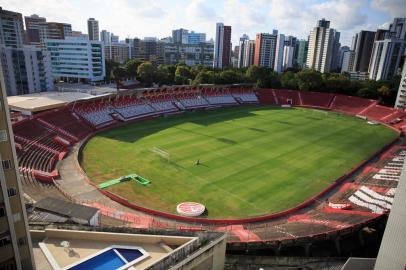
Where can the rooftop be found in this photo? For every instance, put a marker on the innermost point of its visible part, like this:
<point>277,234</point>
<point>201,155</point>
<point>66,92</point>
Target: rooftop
<point>37,102</point>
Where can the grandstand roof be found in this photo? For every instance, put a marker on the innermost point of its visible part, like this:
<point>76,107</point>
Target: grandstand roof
<point>37,102</point>
<point>67,209</point>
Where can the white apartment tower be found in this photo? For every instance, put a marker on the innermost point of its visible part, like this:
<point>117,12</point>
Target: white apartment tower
<point>241,50</point>
<point>93,29</point>
<point>280,44</point>
<point>387,52</point>
<point>322,42</point>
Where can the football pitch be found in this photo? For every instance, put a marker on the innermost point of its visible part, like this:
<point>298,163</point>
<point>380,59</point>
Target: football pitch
<point>253,160</point>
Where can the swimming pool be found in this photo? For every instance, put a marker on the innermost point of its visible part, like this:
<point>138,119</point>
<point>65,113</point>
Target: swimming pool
<point>111,258</point>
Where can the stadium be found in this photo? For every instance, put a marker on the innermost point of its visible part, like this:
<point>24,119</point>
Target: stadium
<point>279,169</point>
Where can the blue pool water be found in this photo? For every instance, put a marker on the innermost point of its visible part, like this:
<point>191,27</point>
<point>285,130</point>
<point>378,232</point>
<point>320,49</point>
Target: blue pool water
<point>129,254</point>
<point>106,261</point>
<point>109,260</point>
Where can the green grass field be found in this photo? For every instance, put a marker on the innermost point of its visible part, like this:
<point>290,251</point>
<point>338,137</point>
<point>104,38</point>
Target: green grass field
<point>254,160</point>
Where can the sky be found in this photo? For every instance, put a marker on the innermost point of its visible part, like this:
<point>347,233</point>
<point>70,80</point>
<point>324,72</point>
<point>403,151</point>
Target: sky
<point>152,18</point>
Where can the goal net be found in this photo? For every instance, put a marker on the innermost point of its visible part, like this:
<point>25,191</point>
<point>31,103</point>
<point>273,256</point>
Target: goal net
<point>160,152</point>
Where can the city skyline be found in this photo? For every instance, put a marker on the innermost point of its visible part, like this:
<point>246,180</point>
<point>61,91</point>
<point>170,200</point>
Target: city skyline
<point>137,18</point>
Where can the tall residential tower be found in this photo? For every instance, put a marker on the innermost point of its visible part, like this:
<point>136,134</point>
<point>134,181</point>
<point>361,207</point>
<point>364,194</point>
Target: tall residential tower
<point>222,47</point>
<point>322,46</point>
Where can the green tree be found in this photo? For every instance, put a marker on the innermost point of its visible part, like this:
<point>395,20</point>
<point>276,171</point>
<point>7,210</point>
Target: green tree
<point>309,80</point>
<point>110,66</point>
<point>384,91</point>
<point>146,73</point>
<point>230,76</point>
<point>367,93</point>
<point>204,77</point>
<point>289,80</point>
<point>119,74</point>
<point>131,67</point>
<point>258,75</point>
<point>182,74</point>
<point>165,74</point>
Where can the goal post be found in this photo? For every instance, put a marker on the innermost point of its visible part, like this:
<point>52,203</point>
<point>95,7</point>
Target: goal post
<point>160,152</point>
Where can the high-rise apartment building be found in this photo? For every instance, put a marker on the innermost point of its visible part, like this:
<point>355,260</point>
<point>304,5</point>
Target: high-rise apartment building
<point>322,47</point>
<point>11,29</point>
<point>388,50</point>
<point>114,38</point>
<point>117,52</point>
<point>93,29</point>
<point>76,59</point>
<point>288,54</point>
<point>280,44</point>
<point>180,36</point>
<point>265,47</point>
<point>249,53</point>
<point>303,46</point>
<point>348,61</point>
<point>363,43</point>
<point>38,29</point>
<point>15,242</point>
<point>222,46</point>
<point>105,37</point>
<point>32,29</point>
<point>241,50</point>
<point>401,97</point>
<point>27,70</point>
<point>190,54</point>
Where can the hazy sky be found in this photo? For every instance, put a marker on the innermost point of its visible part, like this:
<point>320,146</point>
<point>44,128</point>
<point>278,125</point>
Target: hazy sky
<point>140,18</point>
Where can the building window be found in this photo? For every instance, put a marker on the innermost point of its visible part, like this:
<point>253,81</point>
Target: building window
<point>6,164</point>
<point>4,241</point>
<point>11,192</point>
<point>2,211</point>
<point>3,136</point>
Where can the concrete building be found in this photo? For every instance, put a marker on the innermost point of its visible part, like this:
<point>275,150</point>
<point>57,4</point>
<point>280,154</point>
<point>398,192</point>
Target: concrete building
<point>348,61</point>
<point>265,48</point>
<point>76,59</point>
<point>222,46</point>
<point>148,49</point>
<point>388,50</point>
<point>32,29</point>
<point>341,52</point>
<point>190,54</point>
<point>196,38</point>
<point>180,36</point>
<point>11,29</point>
<point>322,48</point>
<point>79,34</point>
<point>114,38</point>
<point>249,53</point>
<point>15,240</point>
<point>52,30</point>
<point>363,43</point>
<point>93,29</point>
<point>105,37</point>
<point>280,44</point>
<point>287,57</point>
<point>241,50</point>
<point>303,46</point>
<point>117,52</point>
<point>26,70</point>
<point>401,97</point>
